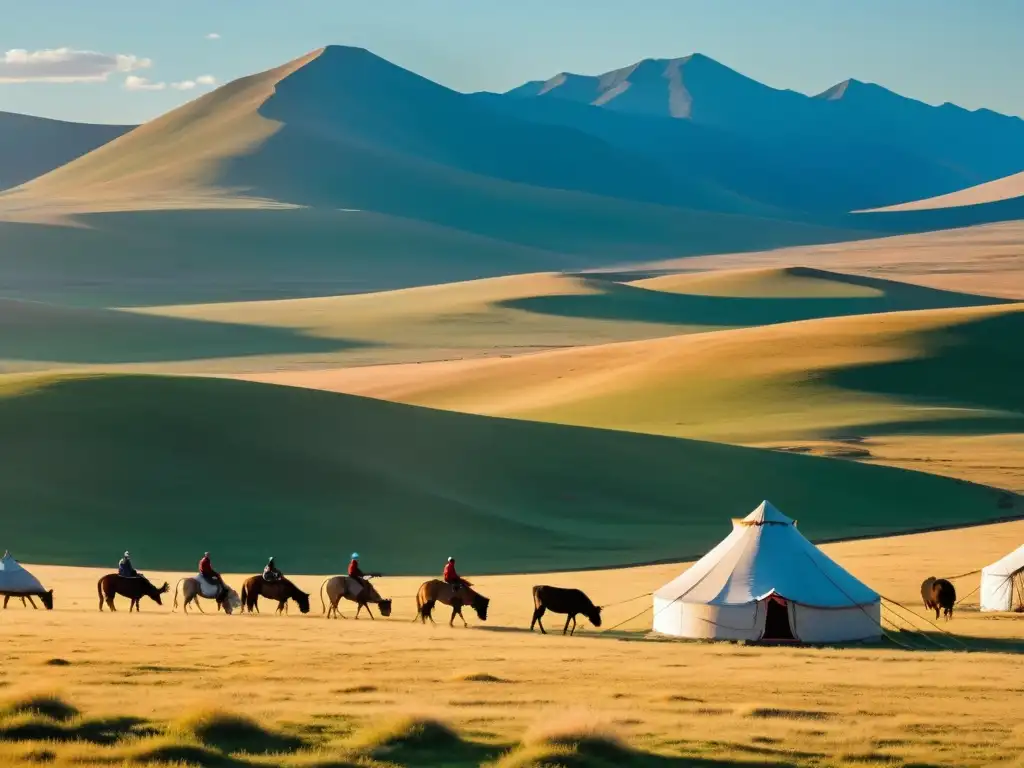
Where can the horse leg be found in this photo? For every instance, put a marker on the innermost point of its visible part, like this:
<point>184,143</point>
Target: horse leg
<point>369,611</point>
<point>6,600</point>
<point>573,625</point>
<point>567,620</point>
<point>30,602</point>
<point>359,608</point>
<point>536,619</point>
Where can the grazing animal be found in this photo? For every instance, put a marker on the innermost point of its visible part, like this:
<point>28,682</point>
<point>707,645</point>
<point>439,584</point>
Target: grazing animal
<point>45,597</point>
<point>568,601</point>
<point>281,590</point>
<point>939,595</point>
<point>192,590</point>
<point>133,588</point>
<point>436,591</point>
<point>346,587</point>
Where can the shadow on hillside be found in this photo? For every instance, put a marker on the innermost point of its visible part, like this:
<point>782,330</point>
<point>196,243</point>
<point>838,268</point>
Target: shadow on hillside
<point>52,333</point>
<point>977,364</point>
<point>621,302</point>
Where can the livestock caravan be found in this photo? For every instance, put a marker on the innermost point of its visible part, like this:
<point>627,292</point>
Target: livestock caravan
<point>1002,583</point>
<point>765,581</point>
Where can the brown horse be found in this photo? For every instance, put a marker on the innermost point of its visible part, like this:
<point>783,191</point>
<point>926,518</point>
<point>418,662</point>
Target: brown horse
<point>133,588</point>
<point>346,587</point>
<point>281,590</point>
<point>436,591</point>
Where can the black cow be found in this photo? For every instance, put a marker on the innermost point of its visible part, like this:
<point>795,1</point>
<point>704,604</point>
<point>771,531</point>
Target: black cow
<point>939,595</point>
<point>568,601</point>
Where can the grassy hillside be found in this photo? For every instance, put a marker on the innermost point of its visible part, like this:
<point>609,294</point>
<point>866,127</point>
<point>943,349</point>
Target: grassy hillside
<point>175,466</point>
<point>938,370</point>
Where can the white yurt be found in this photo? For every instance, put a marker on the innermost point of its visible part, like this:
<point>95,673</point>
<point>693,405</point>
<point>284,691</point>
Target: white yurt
<point>15,580</point>
<point>765,581</point>
<point>1002,583</point>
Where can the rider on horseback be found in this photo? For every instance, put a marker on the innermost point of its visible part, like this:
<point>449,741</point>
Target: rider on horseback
<point>207,572</point>
<point>125,568</point>
<point>451,577</point>
<point>271,572</point>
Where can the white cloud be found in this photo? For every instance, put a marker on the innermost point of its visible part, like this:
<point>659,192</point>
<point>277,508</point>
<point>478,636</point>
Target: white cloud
<point>188,85</point>
<point>213,36</point>
<point>135,83</point>
<point>65,65</point>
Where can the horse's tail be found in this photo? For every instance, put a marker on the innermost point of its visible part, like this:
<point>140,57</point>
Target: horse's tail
<point>244,596</point>
<point>176,593</point>
<point>99,591</point>
<point>323,605</point>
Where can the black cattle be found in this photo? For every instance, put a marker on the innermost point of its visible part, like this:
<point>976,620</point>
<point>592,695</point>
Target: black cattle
<point>939,595</point>
<point>568,601</point>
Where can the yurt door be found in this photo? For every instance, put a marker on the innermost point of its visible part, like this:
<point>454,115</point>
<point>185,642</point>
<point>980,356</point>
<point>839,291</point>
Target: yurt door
<point>776,622</point>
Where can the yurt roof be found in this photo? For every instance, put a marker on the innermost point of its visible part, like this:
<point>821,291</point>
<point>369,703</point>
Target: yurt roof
<point>1010,565</point>
<point>14,578</point>
<point>765,554</point>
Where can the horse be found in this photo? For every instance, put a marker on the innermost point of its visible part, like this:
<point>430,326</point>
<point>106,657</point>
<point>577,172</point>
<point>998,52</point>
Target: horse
<point>339,587</point>
<point>45,597</point>
<point>281,590</point>
<point>134,589</point>
<point>192,590</point>
<point>567,601</point>
<point>437,591</point>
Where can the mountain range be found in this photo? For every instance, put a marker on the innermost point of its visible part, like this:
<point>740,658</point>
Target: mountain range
<point>660,159</point>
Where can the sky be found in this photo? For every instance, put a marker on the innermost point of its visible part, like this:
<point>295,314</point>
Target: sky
<point>115,61</point>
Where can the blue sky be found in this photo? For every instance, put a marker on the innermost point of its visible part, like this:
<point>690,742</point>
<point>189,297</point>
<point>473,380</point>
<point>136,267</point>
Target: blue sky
<point>964,51</point>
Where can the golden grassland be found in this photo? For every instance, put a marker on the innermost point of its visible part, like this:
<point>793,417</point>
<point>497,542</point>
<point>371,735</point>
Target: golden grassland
<point>201,689</point>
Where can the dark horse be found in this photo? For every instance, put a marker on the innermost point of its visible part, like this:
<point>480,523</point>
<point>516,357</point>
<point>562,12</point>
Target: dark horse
<point>436,591</point>
<point>281,590</point>
<point>133,588</point>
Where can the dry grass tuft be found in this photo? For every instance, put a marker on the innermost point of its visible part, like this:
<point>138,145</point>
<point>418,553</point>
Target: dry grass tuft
<point>46,705</point>
<point>573,728</point>
<point>229,733</point>
<point>410,732</point>
<point>481,677</point>
<point>780,713</point>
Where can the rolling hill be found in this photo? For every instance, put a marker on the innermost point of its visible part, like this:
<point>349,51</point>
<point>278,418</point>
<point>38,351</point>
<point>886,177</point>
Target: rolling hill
<point>952,371</point>
<point>1009,188</point>
<point>528,313</point>
<point>175,466</point>
<point>31,146</point>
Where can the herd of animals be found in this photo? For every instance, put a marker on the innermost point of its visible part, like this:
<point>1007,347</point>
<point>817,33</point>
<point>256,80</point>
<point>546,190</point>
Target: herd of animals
<point>453,592</point>
<point>936,594</point>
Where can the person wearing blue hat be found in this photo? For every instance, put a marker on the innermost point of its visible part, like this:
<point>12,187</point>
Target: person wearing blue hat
<point>356,573</point>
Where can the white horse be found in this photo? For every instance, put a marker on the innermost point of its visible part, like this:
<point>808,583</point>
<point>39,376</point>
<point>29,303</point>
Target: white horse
<point>194,587</point>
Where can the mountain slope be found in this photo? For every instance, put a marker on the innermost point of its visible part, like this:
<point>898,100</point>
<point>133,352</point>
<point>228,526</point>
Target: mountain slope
<point>31,146</point>
<point>177,465</point>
